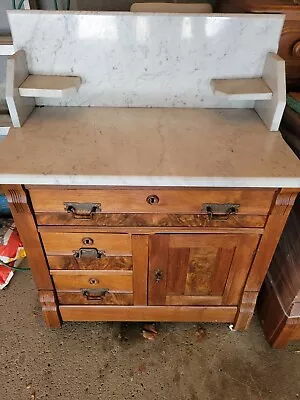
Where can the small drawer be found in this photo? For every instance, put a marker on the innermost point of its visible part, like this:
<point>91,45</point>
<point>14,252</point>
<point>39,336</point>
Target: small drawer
<point>115,207</point>
<point>87,246</point>
<point>106,281</point>
<point>94,297</point>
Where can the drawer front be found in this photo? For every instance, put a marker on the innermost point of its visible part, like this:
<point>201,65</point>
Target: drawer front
<point>93,246</point>
<point>151,206</point>
<point>92,298</point>
<point>108,281</point>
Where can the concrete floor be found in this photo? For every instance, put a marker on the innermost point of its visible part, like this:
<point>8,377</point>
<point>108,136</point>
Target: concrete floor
<point>113,361</point>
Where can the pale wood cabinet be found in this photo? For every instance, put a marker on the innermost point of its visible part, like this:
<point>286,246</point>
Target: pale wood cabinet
<point>149,254</point>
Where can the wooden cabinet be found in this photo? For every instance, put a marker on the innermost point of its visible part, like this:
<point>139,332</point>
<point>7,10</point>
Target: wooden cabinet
<point>289,45</point>
<point>149,254</point>
<point>199,269</point>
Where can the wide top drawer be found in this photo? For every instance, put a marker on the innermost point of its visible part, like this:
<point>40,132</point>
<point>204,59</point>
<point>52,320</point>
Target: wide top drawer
<point>87,203</point>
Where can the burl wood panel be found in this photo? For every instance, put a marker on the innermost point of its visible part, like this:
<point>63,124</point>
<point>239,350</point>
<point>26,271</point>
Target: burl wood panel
<point>75,263</point>
<point>152,220</point>
<point>118,299</point>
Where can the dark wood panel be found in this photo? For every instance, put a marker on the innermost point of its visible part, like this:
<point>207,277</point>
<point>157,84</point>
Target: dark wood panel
<point>118,299</point>
<point>148,313</point>
<point>193,300</point>
<point>74,263</point>
<point>140,250</point>
<point>177,273</point>
<point>158,269</point>
<point>151,220</point>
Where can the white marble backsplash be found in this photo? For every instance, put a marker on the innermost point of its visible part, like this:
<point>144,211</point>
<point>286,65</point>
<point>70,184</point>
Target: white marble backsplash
<point>145,60</point>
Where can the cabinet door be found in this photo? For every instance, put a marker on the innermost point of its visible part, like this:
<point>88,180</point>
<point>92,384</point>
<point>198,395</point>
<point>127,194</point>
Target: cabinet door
<point>199,269</point>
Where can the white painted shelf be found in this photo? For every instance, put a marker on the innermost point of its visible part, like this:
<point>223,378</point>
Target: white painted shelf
<point>242,89</point>
<point>6,46</point>
<point>49,86</point>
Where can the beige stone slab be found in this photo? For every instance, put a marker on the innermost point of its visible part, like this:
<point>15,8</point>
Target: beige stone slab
<point>242,89</point>
<point>49,86</point>
<point>147,147</point>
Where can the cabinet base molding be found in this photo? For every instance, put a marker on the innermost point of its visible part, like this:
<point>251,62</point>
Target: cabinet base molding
<point>148,313</point>
<point>49,308</point>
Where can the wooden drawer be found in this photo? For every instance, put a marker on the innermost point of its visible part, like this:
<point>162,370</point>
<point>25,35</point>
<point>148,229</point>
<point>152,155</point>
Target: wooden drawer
<point>150,207</point>
<point>66,243</point>
<point>113,281</point>
<point>110,298</point>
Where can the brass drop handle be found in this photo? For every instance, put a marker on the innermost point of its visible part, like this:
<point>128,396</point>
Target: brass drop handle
<point>82,210</point>
<point>152,199</point>
<point>90,252</point>
<point>158,275</point>
<point>94,294</point>
<point>220,212</point>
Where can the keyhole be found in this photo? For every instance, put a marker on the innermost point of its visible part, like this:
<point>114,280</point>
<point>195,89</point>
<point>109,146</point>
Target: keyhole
<point>87,241</point>
<point>93,281</point>
<point>152,199</point>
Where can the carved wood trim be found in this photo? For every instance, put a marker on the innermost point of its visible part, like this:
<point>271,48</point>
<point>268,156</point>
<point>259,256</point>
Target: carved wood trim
<point>50,308</point>
<point>21,212</point>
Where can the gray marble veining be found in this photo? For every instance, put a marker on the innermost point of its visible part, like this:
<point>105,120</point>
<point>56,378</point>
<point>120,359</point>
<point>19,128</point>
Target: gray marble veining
<point>145,60</point>
<point>147,147</point>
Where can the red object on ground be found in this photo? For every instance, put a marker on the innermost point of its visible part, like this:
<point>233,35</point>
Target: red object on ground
<point>11,252</point>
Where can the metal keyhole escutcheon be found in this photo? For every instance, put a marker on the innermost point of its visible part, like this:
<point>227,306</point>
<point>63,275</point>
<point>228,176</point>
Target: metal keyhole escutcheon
<point>158,275</point>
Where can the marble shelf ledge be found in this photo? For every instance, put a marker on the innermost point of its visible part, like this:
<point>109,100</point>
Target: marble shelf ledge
<point>147,147</point>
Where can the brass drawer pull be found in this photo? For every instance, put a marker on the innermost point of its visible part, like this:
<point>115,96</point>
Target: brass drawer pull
<point>94,294</point>
<point>82,210</point>
<point>219,212</point>
<point>88,253</point>
<point>152,199</point>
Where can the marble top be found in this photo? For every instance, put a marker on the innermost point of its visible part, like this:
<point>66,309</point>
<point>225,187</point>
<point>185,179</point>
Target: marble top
<point>145,59</point>
<point>143,147</point>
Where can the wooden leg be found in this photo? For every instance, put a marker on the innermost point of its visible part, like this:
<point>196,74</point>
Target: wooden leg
<point>24,220</point>
<point>50,308</point>
<point>245,311</point>
<point>267,246</point>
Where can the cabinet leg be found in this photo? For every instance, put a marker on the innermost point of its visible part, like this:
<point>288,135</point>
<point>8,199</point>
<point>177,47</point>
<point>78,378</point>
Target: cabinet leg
<point>49,308</point>
<point>245,311</point>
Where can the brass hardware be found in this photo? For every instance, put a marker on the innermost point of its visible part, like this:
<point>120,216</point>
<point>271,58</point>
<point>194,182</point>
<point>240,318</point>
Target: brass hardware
<point>219,212</point>
<point>87,241</point>
<point>152,199</point>
<point>94,294</point>
<point>158,275</point>
<point>88,253</point>
<point>82,210</point>
<point>93,281</point>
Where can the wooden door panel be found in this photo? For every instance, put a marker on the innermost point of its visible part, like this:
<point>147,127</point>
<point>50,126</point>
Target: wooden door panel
<point>158,267</point>
<point>199,269</point>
